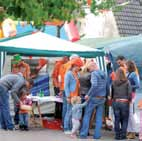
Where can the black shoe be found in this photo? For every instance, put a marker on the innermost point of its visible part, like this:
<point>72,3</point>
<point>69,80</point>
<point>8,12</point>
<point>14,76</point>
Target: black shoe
<point>137,134</point>
<point>10,129</point>
<point>4,128</point>
<point>123,137</point>
<point>26,128</point>
<point>21,127</point>
<point>117,138</point>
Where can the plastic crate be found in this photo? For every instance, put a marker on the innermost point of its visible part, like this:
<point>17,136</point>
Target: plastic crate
<point>55,124</point>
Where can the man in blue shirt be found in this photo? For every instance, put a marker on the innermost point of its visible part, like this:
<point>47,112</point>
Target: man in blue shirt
<point>97,96</point>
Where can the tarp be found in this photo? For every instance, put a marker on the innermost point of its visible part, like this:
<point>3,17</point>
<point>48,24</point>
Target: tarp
<point>130,47</point>
<point>42,44</point>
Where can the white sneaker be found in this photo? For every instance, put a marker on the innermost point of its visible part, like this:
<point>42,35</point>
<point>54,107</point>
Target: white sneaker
<point>67,132</point>
<point>16,127</point>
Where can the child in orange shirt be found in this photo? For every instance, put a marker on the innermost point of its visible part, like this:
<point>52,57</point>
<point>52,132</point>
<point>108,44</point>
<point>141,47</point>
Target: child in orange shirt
<point>23,114</point>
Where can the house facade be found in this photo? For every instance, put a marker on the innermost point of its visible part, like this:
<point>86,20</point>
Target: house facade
<point>125,22</point>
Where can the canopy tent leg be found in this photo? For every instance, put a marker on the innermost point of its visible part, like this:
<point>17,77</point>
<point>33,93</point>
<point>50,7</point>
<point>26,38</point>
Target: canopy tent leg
<point>2,62</point>
<point>101,63</point>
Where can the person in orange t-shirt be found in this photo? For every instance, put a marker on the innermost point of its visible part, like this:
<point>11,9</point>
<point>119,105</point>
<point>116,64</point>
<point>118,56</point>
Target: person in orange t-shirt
<point>25,69</point>
<point>121,61</point>
<point>56,74</point>
<point>63,69</point>
<point>23,114</point>
<point>56,84</point>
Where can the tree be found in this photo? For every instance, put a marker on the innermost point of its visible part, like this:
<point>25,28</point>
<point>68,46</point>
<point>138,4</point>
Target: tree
<point>40,11</point>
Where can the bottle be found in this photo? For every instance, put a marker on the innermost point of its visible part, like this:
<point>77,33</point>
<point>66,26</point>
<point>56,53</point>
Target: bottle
<point>41,94</point>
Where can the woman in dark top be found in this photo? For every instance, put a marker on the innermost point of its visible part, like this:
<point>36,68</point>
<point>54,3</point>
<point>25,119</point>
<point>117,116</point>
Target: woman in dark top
<point>121,95</point>
<point>85,83</point>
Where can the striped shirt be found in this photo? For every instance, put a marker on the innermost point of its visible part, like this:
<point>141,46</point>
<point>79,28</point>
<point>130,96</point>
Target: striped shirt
<point>98,84</point>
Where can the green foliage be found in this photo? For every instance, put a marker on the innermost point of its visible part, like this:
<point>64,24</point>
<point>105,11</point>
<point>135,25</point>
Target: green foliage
<point>2,13</point>
<point>105,4</point>
<point>48,10</point>
<point>41,10</point>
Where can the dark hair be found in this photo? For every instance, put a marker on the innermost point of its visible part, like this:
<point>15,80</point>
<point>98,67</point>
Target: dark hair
<point>120,57</point>
<point>131,67</point>
<point>31,81</point>
<point>23,91</point>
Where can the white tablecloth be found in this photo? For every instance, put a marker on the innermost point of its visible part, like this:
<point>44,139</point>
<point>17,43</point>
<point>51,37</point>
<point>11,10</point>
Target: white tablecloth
<point>46,99</point>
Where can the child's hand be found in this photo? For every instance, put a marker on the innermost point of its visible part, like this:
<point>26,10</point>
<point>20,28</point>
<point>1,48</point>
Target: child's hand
<point>86,97</point>
<point>68,100</point>
<point>60,94</point>
<point>109,97</point>
<point>21,103</point>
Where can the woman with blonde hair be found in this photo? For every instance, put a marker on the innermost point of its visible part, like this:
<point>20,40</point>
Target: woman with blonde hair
<point>121,96</point>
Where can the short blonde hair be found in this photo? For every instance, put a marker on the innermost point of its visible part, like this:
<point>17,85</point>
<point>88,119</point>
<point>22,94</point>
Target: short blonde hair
<point>75,100</point>
<point>92,64</point>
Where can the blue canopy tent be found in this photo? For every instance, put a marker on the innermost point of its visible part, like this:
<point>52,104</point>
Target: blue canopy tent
<point>130,47</point>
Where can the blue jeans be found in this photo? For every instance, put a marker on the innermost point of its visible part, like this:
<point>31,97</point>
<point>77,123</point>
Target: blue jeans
<point>23,119</point>
<point>93,103</point>
<point>5,117</point>
<point>16,115</point>
<point>64,109</point>
<point>68,117</point>
<point>121,114</point>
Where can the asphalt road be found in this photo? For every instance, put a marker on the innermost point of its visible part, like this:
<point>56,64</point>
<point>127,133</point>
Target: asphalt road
<point>40,134</point>
<point>48,135</point>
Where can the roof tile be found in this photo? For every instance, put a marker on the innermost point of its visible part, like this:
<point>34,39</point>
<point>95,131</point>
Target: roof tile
<point>129,20</point>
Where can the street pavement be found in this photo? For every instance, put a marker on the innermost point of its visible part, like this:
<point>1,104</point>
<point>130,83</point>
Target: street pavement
<point>40,134</point>
<point>49,135</point>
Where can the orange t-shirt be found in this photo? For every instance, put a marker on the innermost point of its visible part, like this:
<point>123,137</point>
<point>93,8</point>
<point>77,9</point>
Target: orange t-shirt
<point>55,73</point>
<point>27,71</point>
<point>113,76</point>
<point>1,33</point>
<point>63,69</point>
<point>27,102</point>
